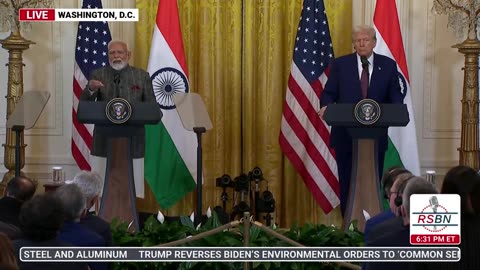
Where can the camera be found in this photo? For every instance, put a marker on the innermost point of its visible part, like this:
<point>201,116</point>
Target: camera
<point>266,202</point>
<point>241,183</point>
<point>224,181</point>
<point>256,173</point>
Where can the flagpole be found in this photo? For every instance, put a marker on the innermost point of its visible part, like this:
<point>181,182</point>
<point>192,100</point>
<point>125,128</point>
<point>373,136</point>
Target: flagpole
<point>198,213</point>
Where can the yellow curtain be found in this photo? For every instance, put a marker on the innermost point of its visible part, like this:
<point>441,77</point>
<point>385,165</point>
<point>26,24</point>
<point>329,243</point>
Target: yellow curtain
<point>239,54</point>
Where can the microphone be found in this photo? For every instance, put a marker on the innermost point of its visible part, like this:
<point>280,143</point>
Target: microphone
<point>364,62</point>
<point>433,203</point>
<point>116,80</point>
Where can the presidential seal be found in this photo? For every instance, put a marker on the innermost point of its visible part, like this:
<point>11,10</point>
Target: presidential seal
<point>118,110</point>
<point>367,111</point>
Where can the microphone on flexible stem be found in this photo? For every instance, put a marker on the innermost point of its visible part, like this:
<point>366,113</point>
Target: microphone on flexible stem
<point>434,205</point>
<point>364,61</point>
<point>116,80</point>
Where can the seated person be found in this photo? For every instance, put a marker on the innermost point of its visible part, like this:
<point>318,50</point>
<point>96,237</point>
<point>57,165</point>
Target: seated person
<point>398,235</point>
<point>19,190</point>
<point>40,220</point>
<point>74,208</point>
<point>395,202</point>
<point>91,184</point>
<point>7,254</point>
<point>464,181</point>
<point>387,182</point>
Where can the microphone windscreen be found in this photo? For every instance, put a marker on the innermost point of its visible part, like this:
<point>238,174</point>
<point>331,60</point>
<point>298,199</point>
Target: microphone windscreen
<point>364,61</point>
<point>116,77</point>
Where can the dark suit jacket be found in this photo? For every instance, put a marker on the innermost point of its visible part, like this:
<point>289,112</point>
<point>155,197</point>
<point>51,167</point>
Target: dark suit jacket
<point>135,86</point>
<point>374,221</point>
<point>9,210</point>
<point>396,235</point>
<point>99,226</point>
<point>11,231</point>
<point>343,86</point>
<point>77,235</point>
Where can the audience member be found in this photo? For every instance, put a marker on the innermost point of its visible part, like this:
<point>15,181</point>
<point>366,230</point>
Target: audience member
<point>11,231</point>
<point>74,207</point>
<point>40,220</point>
<point>7,254</point>
<point>464,181</point>
<point>91,185</point>
<point>399,235</point>
<point>461,180</point>
<point>387,182</point>
<point>19,190</point>
<point>395,201</point>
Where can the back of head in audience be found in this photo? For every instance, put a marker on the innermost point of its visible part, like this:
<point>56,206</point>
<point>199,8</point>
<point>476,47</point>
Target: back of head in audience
<point>389,178</point>
<point>461,180</point>
<point>91,184</point>
<point>73,202</point>
<point>20,188</point>
<point>41,218</point>
<point>395,199</point>
<point>416,185</point>
<point>7,255</point>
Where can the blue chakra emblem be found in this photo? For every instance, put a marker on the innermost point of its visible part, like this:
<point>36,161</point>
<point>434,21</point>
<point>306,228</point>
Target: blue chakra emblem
<point>166,83</point>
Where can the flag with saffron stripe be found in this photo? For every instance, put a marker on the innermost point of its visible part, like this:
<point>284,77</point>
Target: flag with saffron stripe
<point>170,154</point>
<point>402,145</point>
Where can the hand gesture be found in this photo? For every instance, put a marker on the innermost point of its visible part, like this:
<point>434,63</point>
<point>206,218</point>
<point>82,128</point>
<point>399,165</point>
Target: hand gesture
<point>94,85</point>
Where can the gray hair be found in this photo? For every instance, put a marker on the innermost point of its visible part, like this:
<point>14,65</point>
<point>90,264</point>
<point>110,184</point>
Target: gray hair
<point>116,41</point>
<point>89,182</point>
<point>364,29</point>
<point>416,185</point>
<point>73,201</point>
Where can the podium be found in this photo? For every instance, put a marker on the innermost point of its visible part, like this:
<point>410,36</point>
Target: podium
<point>118,197</point>
<point>364,192</point>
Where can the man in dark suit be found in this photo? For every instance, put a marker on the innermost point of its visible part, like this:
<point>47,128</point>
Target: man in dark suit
<point>119,79</point>
<point>345,85</point>
<point>19,190</point>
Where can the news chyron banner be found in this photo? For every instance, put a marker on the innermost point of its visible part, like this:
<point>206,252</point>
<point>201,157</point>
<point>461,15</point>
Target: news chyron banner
<point>78,14</point>
<point>239,254</point>
<point>435,219</point>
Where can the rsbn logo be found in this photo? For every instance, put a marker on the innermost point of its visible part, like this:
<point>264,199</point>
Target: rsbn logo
<point>435,219</point>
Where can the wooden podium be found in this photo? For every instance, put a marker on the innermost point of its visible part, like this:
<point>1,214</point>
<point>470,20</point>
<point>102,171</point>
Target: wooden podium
<point>118,197</point>
<point>364,192</point>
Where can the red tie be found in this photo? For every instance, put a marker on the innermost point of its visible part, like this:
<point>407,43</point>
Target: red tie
<point>364,82</point>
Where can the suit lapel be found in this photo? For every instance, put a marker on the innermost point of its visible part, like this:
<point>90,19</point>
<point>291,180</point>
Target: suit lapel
<point>376,72</point>
<point>354,73</point>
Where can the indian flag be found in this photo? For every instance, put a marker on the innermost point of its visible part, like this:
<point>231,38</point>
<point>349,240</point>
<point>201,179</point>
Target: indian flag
<point>170,151</point>
<point>402,145</point>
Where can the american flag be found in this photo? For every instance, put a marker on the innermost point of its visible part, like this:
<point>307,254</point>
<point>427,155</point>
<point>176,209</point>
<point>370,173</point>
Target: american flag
<point>304,137</point>
<point>90,53</point>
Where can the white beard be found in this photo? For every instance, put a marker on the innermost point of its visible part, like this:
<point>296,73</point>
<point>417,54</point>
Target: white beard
<point>118,65</point>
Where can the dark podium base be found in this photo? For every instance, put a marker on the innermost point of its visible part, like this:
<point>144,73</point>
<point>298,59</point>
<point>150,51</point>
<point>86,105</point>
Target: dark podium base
<point>118,198</point>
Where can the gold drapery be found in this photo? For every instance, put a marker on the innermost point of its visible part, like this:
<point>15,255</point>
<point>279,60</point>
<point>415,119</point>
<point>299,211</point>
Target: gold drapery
<point>238,55</point>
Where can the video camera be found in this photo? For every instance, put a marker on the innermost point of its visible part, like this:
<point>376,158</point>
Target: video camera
<point>224,181</point>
